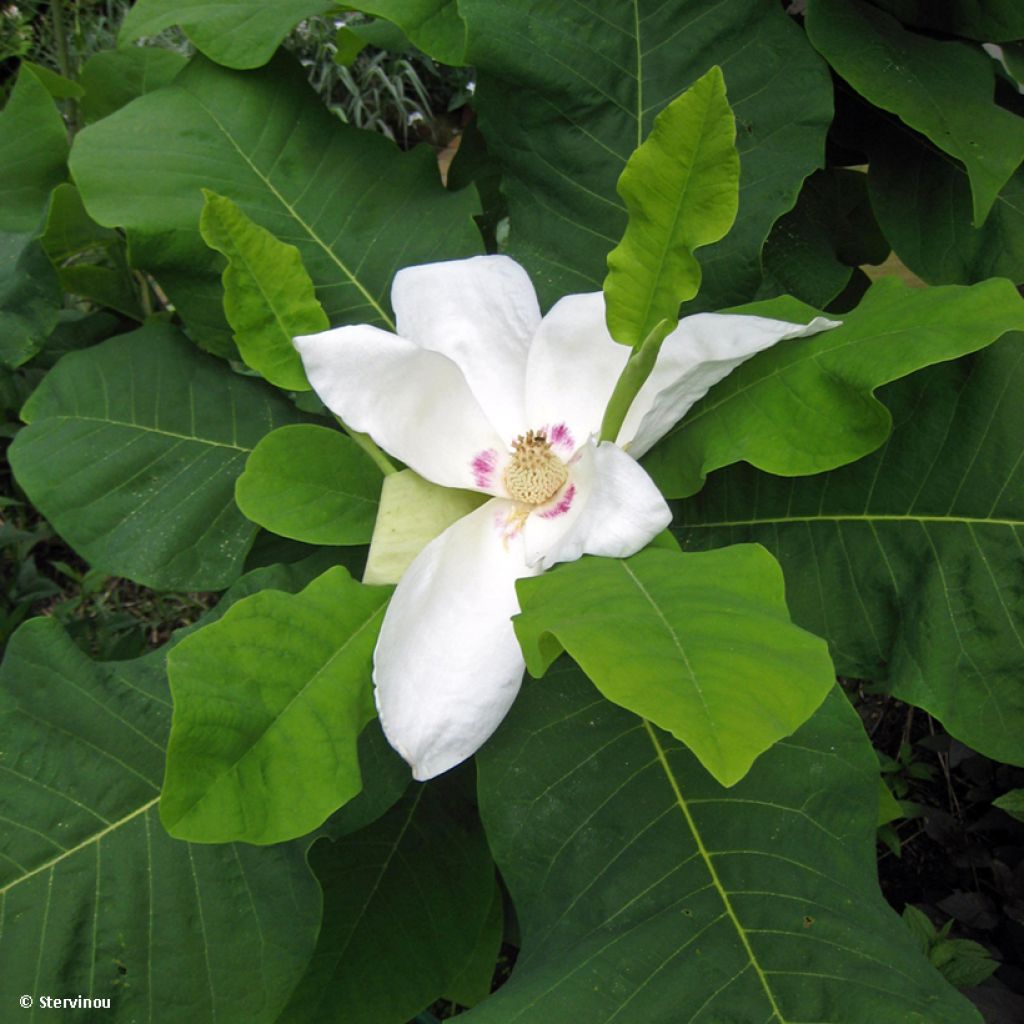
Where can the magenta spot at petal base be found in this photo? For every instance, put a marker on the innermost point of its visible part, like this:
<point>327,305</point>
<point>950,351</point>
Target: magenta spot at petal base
<point>563,506</point>
<point>560,436</point>
<point>484,465</point>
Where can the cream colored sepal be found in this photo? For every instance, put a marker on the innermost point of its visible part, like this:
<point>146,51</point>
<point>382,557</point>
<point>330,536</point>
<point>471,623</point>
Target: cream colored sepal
<point>413,511</point>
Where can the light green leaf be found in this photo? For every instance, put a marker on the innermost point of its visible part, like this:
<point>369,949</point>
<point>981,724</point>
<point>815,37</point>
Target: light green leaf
<point>30,298</point>
<point>347,46</point>
<point>413,511</point>
<point>344,197</point>
<point>434,26</point>
<point>97,899</point>
<point>132,451</point>
<point>404,901</point>
<point>112,78</point>
<point>236,33</point>
<point>312,484</point>
<point>922,199</point>
<point>566,92</point>
<point>268,296</point>
<point>1012,802</point>
<point>647,892</point>
<point>909,562</point>
<point>702,646</point>
<point>680,187</point>
<point>942,89</point>
<point>277,691</point>
<point>33,153</point>
<point>807,405</point>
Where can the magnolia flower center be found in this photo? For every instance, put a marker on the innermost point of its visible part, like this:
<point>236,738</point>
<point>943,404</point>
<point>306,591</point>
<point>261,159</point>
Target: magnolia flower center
<point>534,473</point>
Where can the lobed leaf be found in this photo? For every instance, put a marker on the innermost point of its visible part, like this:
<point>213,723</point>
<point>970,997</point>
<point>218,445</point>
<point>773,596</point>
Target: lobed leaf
<point>277,690</point>
<point>701,646</point>
<point>680,187</point>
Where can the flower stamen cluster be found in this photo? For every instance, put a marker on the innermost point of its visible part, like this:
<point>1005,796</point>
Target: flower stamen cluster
<point>534,473</point>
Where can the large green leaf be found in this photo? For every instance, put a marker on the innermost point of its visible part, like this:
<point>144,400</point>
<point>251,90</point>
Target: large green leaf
<point>95,898</point>
<point>567,91</point>
<point>435,26</point>
<point>132,451</point>
<point>923,202</point>
<point>33,153</point>
<point>943,89</point>
<point>268,296</point>
<point>237,33</point>
<point>404,902</point>
<point>989,21</point>
<point>700,644</point>
<point>910,561</point>
<point>30,298</point>
<point>647,892</point>
<point>344,197</point>
<point>112,78</point>
<point>276,692</point>
<point>680,188</point>
<point>807,405</point>
<point>312,484</point>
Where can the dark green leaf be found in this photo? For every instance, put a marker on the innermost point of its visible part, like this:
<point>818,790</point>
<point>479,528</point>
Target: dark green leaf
<point>942,89</point>
<point>404,902</point>
<point>807,405</point>
<point>910,561</point>
<point>312,484</point>
<point>98,900</point>
<point>276,691</point>
<point>132,451</point>
<point>702,646</point>
<point>647,892</point>
<point>33,153</point>
<point>1012,802</point>
<point>567,91</point>
<point>344,197</point>
<point>112,78</point>
<point>236,33</point>
<point>990,21</point>
<point>30,298</point>
<point>434,26</point>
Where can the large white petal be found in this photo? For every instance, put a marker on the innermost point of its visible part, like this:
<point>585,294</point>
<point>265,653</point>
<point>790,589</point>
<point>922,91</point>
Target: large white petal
<point>701,351</point>
<point>573,367</point>
<point>414,403</point>
<point>482,314</point>
<point>448,665</point>
<point>613,509</point>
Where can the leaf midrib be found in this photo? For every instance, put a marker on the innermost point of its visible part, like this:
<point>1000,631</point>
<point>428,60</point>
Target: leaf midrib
<point>713,873</point>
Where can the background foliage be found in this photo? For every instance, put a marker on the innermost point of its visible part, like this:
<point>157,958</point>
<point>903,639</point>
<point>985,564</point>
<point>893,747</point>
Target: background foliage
<point>183,186</point>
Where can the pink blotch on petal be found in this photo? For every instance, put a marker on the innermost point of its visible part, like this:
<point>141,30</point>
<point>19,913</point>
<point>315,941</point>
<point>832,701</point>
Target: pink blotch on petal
<point>563,505</point>
<point>560,436</point>
<point>483,465</point>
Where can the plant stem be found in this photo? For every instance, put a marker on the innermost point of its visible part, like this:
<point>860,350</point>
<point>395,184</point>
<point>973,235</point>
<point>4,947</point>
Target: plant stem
<point>60,38</point>
<point>631,380</point>
<point>368,445</point>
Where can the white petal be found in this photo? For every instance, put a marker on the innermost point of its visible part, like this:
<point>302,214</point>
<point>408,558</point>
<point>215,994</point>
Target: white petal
<point>448,665</point>
<point>573,367</point>
<point>695,356</point>
<point>615,510</point>
<point>482,314</point>
<point>415,404</point>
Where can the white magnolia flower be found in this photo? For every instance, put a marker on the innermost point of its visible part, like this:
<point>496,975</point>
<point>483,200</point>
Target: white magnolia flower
<point>478,391</point>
